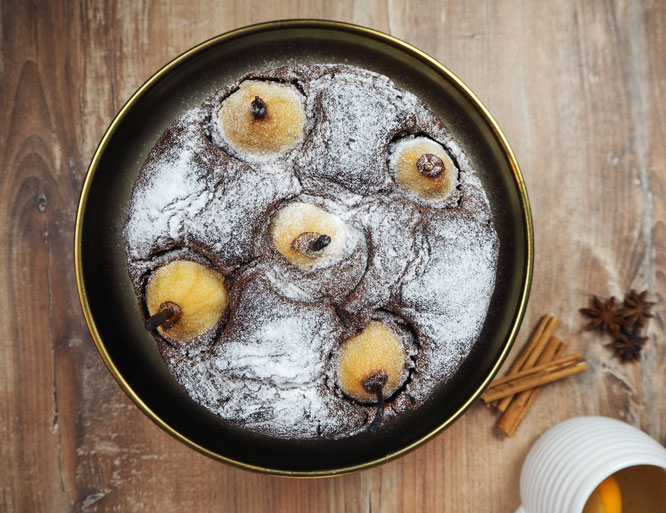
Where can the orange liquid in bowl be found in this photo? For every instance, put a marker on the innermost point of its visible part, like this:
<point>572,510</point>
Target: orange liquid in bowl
<point>639,489</point>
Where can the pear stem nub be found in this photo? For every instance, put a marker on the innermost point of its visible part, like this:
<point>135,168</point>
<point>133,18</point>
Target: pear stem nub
<point>430,165</point>
<point>167,317</point>
<point>320,243</point>
<point>259,109</point>
<point>310,244</point>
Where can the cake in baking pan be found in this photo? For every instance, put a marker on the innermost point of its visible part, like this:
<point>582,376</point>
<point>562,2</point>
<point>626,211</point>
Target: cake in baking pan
<point>311,250</point>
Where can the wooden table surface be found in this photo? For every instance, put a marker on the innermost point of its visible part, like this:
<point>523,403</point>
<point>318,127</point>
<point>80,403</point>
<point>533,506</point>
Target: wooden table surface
<point>579,89</point>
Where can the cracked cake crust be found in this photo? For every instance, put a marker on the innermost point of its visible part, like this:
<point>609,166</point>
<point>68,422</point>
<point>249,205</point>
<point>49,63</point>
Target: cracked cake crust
<point>426,267</point>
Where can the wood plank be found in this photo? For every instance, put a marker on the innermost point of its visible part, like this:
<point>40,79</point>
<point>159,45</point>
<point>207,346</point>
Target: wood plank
<point>578,88</point>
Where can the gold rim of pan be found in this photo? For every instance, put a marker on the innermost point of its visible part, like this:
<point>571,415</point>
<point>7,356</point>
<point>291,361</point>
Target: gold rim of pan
<point>358,31</point>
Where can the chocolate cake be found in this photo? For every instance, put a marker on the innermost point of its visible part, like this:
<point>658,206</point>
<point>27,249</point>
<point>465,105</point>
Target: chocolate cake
<point>311,250</point>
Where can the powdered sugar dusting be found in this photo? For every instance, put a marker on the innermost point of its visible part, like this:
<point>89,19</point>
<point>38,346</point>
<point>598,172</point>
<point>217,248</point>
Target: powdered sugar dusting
<point>269,363</point>
<point>446,293</point>
<point>427,266</point>
<point>390,225</point>
<point>347,145</point>
<point>192,194</point>
<point>174,188</point>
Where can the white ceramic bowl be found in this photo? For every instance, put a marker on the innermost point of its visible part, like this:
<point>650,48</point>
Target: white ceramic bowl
<point>569,461</point>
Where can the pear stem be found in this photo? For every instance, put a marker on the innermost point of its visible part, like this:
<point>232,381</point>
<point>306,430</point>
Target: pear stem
<point>430,165</point>
<point>379,415</point>
<point>168,315</point>
<point>375,385</point>
<point>258,109</point>
<point>320,243</point>
<point>310,244</point>
<point>158,319</point>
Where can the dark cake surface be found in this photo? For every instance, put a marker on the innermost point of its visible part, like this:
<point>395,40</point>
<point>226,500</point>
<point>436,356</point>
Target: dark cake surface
<point>423,266</point>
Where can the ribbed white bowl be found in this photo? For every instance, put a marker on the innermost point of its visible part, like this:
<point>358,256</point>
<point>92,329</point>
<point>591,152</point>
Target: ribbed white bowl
<point>567,463</point>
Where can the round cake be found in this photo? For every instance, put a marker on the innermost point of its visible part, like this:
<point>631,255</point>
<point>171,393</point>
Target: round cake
<point>311,251</point>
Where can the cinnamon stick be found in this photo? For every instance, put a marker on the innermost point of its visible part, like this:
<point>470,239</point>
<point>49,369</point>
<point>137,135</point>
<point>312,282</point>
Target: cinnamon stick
<point>520,405</point>
<point>528,358</point>
<point>534,377</point>
<point>527,349</point>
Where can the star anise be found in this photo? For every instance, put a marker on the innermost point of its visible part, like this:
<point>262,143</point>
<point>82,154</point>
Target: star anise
<point>628,346</point>
<point>636,308</point>
<point>604,316</point>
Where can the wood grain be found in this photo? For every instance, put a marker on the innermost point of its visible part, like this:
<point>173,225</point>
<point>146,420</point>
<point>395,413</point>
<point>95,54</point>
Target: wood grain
<point>580,90</point>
